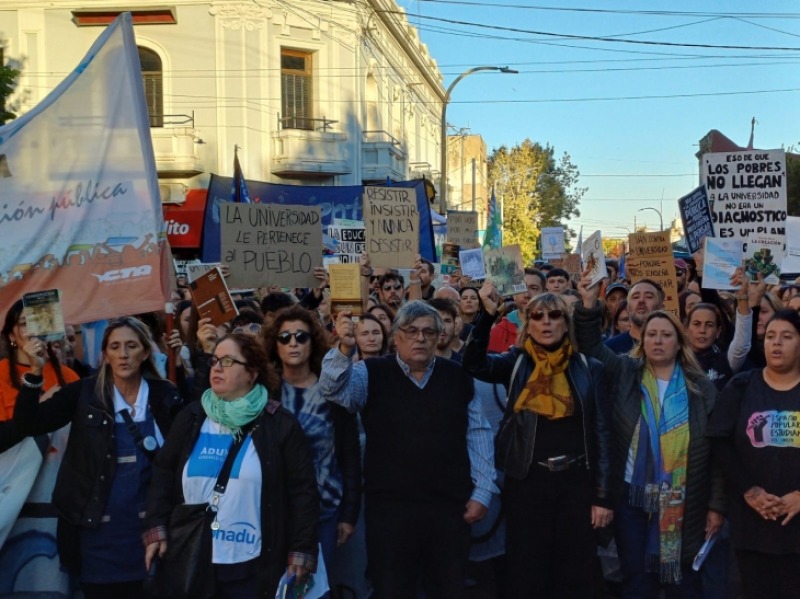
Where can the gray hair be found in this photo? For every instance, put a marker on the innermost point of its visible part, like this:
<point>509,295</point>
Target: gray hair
<point>412,311</point>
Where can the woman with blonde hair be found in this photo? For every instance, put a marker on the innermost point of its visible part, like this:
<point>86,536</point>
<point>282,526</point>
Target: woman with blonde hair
<point>119,420</point>
<point>553,447</point>
<point>668,499</point>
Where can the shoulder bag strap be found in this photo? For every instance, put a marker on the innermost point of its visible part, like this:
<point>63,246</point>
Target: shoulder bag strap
<point>227,466</point>
<point>137,435</point>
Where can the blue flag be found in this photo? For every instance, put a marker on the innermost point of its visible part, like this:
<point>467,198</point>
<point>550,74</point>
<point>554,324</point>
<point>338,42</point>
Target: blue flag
<point>239,191</point>
<point>494,229</point>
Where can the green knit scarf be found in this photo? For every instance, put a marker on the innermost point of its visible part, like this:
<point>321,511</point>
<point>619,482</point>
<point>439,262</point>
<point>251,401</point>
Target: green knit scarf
<point>235,413</point>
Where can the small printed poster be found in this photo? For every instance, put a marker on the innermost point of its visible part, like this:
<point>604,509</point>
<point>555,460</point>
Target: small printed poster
<point>721,258</point>
<point>593,258</point>
<point>504,267</point>
<point>552,242</point>
<point>763,254</point>
<point>44,316</point>
<point>472,264</point>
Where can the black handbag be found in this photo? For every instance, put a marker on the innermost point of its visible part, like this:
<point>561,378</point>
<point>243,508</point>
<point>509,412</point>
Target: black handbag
<point>186,569</point>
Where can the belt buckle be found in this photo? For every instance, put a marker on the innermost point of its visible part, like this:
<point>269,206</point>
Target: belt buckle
<point>558,463</point>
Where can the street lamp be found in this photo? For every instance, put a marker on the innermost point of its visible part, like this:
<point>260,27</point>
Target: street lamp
<point>443,186</point>
<point>657,211</point>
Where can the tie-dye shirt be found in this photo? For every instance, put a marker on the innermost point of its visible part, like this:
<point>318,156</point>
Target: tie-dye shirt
<point>316,419</point>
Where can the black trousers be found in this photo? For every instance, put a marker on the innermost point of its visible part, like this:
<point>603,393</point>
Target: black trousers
<point>411,543</point>
<point>114,590</point>
<point>776,576</point>
<point>550,544</point>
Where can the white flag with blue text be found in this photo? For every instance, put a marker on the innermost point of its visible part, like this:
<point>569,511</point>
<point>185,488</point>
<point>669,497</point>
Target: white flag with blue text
<point>80,209</point>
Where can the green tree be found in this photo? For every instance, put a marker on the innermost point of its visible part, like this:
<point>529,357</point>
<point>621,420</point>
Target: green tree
<point>8,82</point>
<point>537,189</point>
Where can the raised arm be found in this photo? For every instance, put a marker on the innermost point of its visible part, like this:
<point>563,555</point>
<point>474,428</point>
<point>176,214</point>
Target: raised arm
<point>743,329</point>
<point>341,381</point>
<point>490,368</point>
<point>588,320</point>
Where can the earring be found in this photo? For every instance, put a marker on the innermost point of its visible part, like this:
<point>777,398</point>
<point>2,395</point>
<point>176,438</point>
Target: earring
<point>13,344</point>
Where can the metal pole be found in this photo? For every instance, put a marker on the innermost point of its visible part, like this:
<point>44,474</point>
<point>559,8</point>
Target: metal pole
<point>657,211</point>
<point>443,153</point>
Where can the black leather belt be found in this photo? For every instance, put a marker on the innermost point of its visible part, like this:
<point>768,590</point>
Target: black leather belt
<point>562,462</point>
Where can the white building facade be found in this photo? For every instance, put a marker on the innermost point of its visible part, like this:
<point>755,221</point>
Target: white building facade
<point>313,92</point>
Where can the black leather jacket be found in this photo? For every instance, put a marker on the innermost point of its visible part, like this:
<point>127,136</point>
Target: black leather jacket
<point>585,379</point>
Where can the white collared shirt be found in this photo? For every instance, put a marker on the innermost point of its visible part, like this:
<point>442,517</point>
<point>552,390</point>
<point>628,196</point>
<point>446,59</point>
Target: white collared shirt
<point>139,408</point>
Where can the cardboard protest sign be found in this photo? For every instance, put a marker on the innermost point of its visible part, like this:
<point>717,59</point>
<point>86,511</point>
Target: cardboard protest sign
<point>504,267</point>
<point>270,244</point>
<point>391,220</point>
<point>552,242</point>
<point>747,192</point>
<point>569,262</point>
<point>593,257</point>
<point>696,217</point>
<point>651,257</point>
<point>462,229</point>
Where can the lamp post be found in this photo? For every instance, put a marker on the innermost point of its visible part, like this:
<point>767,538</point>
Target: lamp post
<point>443,186</point>
<point>657,211</point>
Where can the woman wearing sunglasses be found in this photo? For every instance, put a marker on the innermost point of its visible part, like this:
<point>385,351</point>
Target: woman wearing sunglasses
<point>296,343</point>
<point>553,446</point>
<point>668,499</point>
<point>266,519</point>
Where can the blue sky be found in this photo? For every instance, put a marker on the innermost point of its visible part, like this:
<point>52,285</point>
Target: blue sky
<point>595,99</point>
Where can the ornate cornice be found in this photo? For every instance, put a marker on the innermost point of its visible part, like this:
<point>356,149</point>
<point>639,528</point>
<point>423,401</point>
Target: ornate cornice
<point>240,15</point>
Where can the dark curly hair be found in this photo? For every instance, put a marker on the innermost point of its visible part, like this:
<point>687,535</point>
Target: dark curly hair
<point>12,318</point>
<point>319,339</point>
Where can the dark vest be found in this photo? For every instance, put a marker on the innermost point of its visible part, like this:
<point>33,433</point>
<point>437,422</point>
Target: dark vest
<point>417,438</point>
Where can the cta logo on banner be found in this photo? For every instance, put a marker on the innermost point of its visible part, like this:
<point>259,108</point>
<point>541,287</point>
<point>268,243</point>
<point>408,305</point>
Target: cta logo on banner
<point>80,209</point>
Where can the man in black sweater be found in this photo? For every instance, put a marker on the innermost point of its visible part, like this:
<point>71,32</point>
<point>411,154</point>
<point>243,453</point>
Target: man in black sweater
<point>428,467</point>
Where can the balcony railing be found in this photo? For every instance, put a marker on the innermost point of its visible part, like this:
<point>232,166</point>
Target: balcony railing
<point>305,123</point>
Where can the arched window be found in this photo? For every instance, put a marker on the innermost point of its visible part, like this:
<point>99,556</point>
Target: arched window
<point>152,76</point>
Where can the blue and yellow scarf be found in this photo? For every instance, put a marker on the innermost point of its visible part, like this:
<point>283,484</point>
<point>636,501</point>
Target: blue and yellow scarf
<point>661,448</point>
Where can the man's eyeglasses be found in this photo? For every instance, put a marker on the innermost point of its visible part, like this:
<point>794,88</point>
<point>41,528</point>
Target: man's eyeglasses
<point>251,329</point>
<point>301,337</point>
<point>224,361</point>
<point>413,332</point>
<point>388,288</point>
<point>551,314</point>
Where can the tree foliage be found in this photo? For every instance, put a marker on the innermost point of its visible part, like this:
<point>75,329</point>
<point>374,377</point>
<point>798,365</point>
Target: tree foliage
<point>8,82</point>
<point>537,190</point>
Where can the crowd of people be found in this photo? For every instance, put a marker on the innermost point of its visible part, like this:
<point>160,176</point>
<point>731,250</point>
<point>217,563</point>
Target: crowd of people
<point>386,451</point>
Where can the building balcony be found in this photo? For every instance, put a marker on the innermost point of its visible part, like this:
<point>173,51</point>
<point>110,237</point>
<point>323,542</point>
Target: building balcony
<point>382,157</point>
<point>307,148</point>
<point>175,148</point>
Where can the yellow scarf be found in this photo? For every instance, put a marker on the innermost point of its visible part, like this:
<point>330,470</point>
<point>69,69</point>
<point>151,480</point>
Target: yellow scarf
<point>547,391</point>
